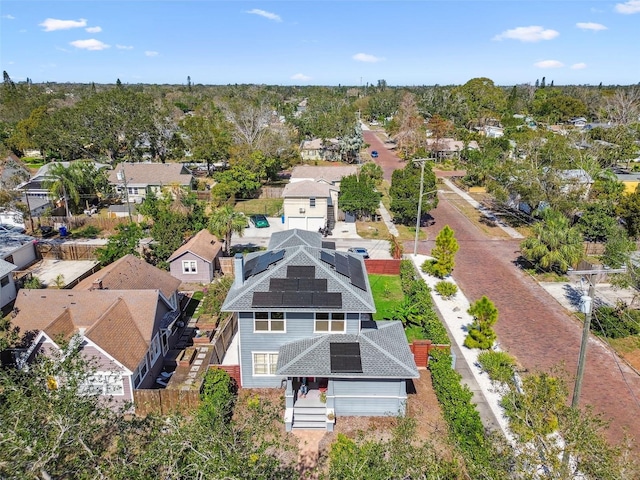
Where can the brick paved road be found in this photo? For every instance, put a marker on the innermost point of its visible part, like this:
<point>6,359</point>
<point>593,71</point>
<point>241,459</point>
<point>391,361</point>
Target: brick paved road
<point>532,326</point>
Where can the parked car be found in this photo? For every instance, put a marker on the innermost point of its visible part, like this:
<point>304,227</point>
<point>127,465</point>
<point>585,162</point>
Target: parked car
<point>359,251</point>
<point>374,154</point>
<point>259,221</point>
<point>5,228</point>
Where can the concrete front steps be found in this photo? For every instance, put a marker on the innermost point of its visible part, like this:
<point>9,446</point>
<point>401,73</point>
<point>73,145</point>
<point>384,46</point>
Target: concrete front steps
<point>309,418</point>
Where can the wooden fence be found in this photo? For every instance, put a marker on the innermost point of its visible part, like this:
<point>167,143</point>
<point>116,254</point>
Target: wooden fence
<point>165,401</point>
<point>222,339</point>
<point>66,251</point>
<point>271,192</point>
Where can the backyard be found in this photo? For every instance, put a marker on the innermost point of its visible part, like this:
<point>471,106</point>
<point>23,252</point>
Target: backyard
<point>387,295</point>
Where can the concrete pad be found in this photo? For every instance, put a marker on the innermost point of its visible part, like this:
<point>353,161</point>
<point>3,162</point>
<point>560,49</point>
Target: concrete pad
<point>71,270</point>
<point>568,293</point>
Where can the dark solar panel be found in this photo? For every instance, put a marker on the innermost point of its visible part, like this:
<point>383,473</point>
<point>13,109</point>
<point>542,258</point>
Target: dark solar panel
<point>291,284</point>
<point>357,273</point>
<point>329,245</point>
<point>345,358</point>
<point>276,256</point>
<point>276,284</point>
<point>263,264</point>
<point>266,299</point>
<point>327,299</point>
<point>327,258</point>
<point>297,299</point>
<point>312,284</point>
<point>248,267</point>
<point>296,271</point>
<point>342,264</point>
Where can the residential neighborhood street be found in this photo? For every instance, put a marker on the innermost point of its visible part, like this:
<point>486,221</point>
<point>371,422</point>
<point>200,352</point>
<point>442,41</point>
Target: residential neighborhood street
<point>532,325</point>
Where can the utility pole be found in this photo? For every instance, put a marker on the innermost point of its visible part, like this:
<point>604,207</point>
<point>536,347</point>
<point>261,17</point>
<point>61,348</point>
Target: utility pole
<point>588,304</point>
<point>126,191</point>
<point>421,161</point>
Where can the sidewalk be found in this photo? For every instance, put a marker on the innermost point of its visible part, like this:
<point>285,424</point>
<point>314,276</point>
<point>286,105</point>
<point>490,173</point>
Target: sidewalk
<point>454,314</point>
<point>485,211</point>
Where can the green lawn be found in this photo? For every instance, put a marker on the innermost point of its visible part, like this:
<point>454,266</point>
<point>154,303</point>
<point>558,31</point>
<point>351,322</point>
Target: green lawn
<point>387,294</point>
<point>271,207</point>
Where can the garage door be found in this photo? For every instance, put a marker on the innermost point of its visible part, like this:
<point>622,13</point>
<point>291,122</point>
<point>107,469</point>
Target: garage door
<point>298,222</point>
<point>314,223</point>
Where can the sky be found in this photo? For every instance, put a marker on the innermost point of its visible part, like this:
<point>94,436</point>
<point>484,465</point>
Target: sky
<point>313,42</point>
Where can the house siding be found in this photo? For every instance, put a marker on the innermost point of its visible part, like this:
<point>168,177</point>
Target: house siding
<point>22,256</point>
<point>315,217</point>
<point>365,397</point>
<point>204,269</point>
<point>298,326</point>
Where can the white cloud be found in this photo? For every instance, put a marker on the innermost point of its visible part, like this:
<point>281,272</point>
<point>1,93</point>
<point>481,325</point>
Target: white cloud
<point>365,57</point>
<point>52,24</point>
<point>549,64</point>
<point>578,66</point>
<point>151,53</point>
<point>300,76</point>
<point>9,17</point>
<point>124,47</point>
<point>271,16</point>
<point>93,29</point>
<point>533,33</point>
<point>90,44</point>
<point>628,8</point>
<point>591,26</point>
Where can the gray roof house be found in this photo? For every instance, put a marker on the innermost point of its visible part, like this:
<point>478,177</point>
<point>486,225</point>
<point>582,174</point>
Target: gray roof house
<point>198,260</point>
<point>132,181</point>
<point>304,323</point>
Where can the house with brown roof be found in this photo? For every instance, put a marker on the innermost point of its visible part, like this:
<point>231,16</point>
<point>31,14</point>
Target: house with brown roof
<point>320,149</point>
<point>126,333</point>
<point>133,181</point>
<point>197,260</point>
<point>133,273</point>
<point>311,196</point>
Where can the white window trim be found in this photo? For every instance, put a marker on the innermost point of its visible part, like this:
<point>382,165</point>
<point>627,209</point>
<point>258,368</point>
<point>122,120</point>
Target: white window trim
<point>155,350</point>
<point>269,363</point>
<point>330,320</point>
<point>99,383</point>
<point>189,267</point>
<point>269,320</point>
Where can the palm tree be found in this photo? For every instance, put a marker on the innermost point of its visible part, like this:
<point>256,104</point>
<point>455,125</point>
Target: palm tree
<point>554,244</point>
<point>62,184</point>
<point>224,222</point>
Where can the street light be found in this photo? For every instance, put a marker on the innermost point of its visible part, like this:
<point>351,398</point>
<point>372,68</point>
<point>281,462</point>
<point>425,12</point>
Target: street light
<point>588,302</point>
<point>421,161</point>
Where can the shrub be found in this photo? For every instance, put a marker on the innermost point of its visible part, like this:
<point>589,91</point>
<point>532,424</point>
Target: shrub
<point>218,395</point>
<point>615,322</point>
<point>90,231</point>
<point>498,365</point>
<point>33,283</point>
<point>485,315</point>
<point>446,289</point>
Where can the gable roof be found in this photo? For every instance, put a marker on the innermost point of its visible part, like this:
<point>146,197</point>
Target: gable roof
<point>323,289</point>
<point>294,237</point>
<point>122,323</point>
<point>203,244</point>
<point>143,174</point>
<point>6,267</point>
<point>132,273</point>
<point>328,174</point>
<point>308,188</point>
<point>384,353</point>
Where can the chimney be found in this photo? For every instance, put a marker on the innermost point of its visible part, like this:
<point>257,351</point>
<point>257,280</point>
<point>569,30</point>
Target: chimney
<point>97,284</point>
<point>238,270</point>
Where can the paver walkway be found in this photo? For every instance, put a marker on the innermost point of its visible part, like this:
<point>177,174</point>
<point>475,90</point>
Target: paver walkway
<point>534,327</point>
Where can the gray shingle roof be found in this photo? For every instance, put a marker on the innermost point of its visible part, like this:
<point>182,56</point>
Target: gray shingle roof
<point>384,353</point>
<point>294,237</point>
<point>240,299</point>
<point>6,267</point>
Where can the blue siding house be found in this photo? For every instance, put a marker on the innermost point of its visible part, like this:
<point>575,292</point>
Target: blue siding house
<point>305,325</point>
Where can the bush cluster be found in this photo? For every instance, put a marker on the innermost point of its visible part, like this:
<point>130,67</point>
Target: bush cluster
<point>615,322</point>
<point>498,365</point>
<point>446,289</point>
<point>418,296</point>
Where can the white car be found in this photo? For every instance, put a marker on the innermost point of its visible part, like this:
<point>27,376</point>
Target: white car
<point>359,251</point>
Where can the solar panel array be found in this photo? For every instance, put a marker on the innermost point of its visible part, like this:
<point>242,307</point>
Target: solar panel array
<point>261,263</point>
<point>297,299</point>
<point>346,265</point>
<point>345,357</point>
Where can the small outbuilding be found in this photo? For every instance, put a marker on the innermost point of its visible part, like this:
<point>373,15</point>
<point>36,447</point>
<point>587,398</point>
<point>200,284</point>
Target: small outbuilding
<point>198,260</point>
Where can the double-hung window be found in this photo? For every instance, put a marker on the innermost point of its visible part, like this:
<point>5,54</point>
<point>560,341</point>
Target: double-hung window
<point>265,363</point>
<point>312,202</point>
<point>330,323</point>
<point>269,322</point>
<point>189,266</point>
